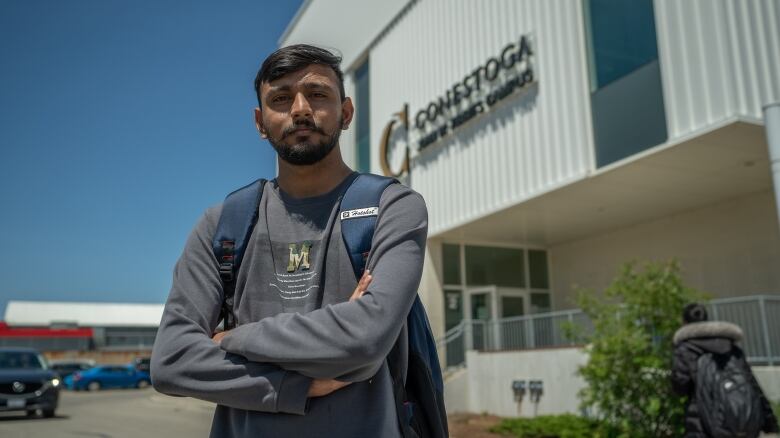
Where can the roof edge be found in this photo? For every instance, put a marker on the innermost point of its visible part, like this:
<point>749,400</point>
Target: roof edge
<point>293,22</point>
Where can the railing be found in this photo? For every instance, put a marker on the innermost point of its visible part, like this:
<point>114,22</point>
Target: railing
<point>758,316</point>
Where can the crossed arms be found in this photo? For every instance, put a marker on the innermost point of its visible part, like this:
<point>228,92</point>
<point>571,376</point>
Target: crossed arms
<point>269,365</point>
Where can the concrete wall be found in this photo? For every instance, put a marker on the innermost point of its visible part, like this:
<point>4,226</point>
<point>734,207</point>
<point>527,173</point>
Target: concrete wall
<point>485,385</point>
<point>456,391</point>
<point>489,376</point>
<point>769,379</point>
<point>727,249</point>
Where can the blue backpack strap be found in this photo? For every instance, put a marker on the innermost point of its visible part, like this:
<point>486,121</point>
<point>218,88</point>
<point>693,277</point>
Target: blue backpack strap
<point>358,214</point>
<point>419,400</point>
<point>238,218</point>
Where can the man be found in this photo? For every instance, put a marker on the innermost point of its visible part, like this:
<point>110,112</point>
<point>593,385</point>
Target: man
<point>308,355</point>
<point>728,387</point>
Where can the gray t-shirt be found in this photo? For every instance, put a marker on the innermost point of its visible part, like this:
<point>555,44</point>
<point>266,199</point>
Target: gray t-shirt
<point>294,319</point>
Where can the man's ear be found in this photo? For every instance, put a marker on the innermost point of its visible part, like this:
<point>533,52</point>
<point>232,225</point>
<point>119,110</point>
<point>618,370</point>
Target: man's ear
<point>259,123</point>
<point>347,112</point>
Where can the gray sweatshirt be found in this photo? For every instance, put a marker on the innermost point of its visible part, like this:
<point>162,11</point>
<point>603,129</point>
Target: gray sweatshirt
<point>295,321</point>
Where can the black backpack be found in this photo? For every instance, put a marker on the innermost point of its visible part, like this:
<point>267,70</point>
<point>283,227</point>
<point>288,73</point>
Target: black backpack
<point>420,399</point>
<point>728,402</point>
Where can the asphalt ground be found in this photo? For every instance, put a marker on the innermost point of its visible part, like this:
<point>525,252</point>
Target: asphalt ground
<point>114,414</point>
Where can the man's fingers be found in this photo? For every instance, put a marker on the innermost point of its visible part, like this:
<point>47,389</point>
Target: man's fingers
<point>323,387</point>
<point>362,286</point>
<point>217,337</point>
<point>365,279</point>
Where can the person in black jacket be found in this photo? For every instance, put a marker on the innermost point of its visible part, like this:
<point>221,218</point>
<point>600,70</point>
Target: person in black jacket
<point>696,337</point>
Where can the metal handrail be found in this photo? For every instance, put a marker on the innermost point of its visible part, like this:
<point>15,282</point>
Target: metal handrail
<point>755,313</point>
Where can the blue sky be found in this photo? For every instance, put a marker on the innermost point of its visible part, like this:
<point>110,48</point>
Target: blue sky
<point>120,122</point>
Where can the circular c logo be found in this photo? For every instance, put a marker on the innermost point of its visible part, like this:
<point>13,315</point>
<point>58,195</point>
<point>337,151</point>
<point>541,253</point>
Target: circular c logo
<point>403,115</point>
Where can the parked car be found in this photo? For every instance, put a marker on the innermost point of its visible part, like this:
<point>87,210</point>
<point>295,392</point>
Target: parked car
<point>67,367</point>
<point>142,363</point>
<point>108,376</point>
<point>27,383</point>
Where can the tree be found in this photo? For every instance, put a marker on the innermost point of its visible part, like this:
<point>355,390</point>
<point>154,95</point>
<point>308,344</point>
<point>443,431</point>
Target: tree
<point>630,350</point>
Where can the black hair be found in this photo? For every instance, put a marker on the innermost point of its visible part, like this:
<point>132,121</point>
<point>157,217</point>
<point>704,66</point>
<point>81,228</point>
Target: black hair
<point>694,312</point>
<point>293,58</point>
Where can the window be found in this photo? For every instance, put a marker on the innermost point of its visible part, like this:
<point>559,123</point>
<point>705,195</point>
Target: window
<point>500,282</point>
<point>362,119</point>
<point>627,105</point>
<point>540,302</point>
<point>537,269</point>
<point>451,262</point>
<point>453,308</point>
<point>494,266</point>
<point>622,38</point>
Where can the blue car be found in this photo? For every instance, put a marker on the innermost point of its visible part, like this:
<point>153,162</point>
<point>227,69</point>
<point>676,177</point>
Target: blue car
<point>108,376</point>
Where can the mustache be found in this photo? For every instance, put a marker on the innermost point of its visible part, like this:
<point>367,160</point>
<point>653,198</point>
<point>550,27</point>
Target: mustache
<point>310,124</point>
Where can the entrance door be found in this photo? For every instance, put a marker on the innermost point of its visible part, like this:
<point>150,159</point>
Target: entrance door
<point>481,310</point>
<point>510,331</point>
<point>488,309</point>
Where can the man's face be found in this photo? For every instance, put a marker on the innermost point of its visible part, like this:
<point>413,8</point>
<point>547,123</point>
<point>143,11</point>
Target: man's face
<point>302,114</point>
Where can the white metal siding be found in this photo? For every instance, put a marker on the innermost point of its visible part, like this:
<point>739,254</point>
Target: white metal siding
<point>720,59</point>
<point>346,26</point>
<point>347,141</point>
<point>510,154</point>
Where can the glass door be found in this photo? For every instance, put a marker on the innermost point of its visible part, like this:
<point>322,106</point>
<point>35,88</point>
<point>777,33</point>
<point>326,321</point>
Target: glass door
<point>455,352</point>
<point>481,309</point>
<point>511,330</point>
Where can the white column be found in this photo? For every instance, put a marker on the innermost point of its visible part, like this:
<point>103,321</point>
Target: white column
<point>772,126</point>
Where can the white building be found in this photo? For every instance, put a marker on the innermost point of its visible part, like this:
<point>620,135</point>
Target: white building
<point>554,140</point>
<point>53,326</point>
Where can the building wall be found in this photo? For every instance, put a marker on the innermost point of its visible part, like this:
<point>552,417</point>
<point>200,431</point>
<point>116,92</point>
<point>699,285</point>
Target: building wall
<point>100,357</point>
<point>430,290</point>
<point>719,59</point>
<point>348,140</point>
<point>715,59</point>
<point>347,26</point>
<point>530,143</point>
<point>727,249</point>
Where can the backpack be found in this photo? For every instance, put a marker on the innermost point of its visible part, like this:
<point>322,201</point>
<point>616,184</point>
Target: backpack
<point>729,404</point>
<point>420,398</point>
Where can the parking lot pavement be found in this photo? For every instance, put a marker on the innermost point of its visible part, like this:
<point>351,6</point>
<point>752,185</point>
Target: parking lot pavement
<point>115,414</point>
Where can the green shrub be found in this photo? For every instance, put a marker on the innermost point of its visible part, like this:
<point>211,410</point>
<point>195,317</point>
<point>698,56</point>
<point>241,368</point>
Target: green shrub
<point>552,426</point>
<point>630,351</point>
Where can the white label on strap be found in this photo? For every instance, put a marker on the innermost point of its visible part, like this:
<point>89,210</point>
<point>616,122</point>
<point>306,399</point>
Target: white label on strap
<point>360,212</point>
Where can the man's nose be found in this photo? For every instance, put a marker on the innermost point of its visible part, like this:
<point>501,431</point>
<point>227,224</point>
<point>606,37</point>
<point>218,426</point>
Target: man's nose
<point>300,107</point>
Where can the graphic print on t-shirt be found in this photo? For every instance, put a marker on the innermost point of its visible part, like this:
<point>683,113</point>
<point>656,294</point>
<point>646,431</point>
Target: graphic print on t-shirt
<point>298,279</point>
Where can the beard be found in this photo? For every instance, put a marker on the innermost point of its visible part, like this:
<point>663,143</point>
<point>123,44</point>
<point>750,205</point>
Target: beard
<point>306,153</point>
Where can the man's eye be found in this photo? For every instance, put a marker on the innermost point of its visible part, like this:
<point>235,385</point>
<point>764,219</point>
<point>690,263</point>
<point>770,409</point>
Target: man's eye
<point>319,95</point>
<point>279,99</point>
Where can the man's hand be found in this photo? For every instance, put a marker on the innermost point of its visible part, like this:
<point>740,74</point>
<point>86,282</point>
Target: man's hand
<point>322,387</point>
<point>217,338</point>
<point>362,285</point>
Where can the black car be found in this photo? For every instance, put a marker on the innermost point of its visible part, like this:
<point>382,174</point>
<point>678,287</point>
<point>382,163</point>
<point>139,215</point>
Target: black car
<point>142,363</point>
<point>27,383</point>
